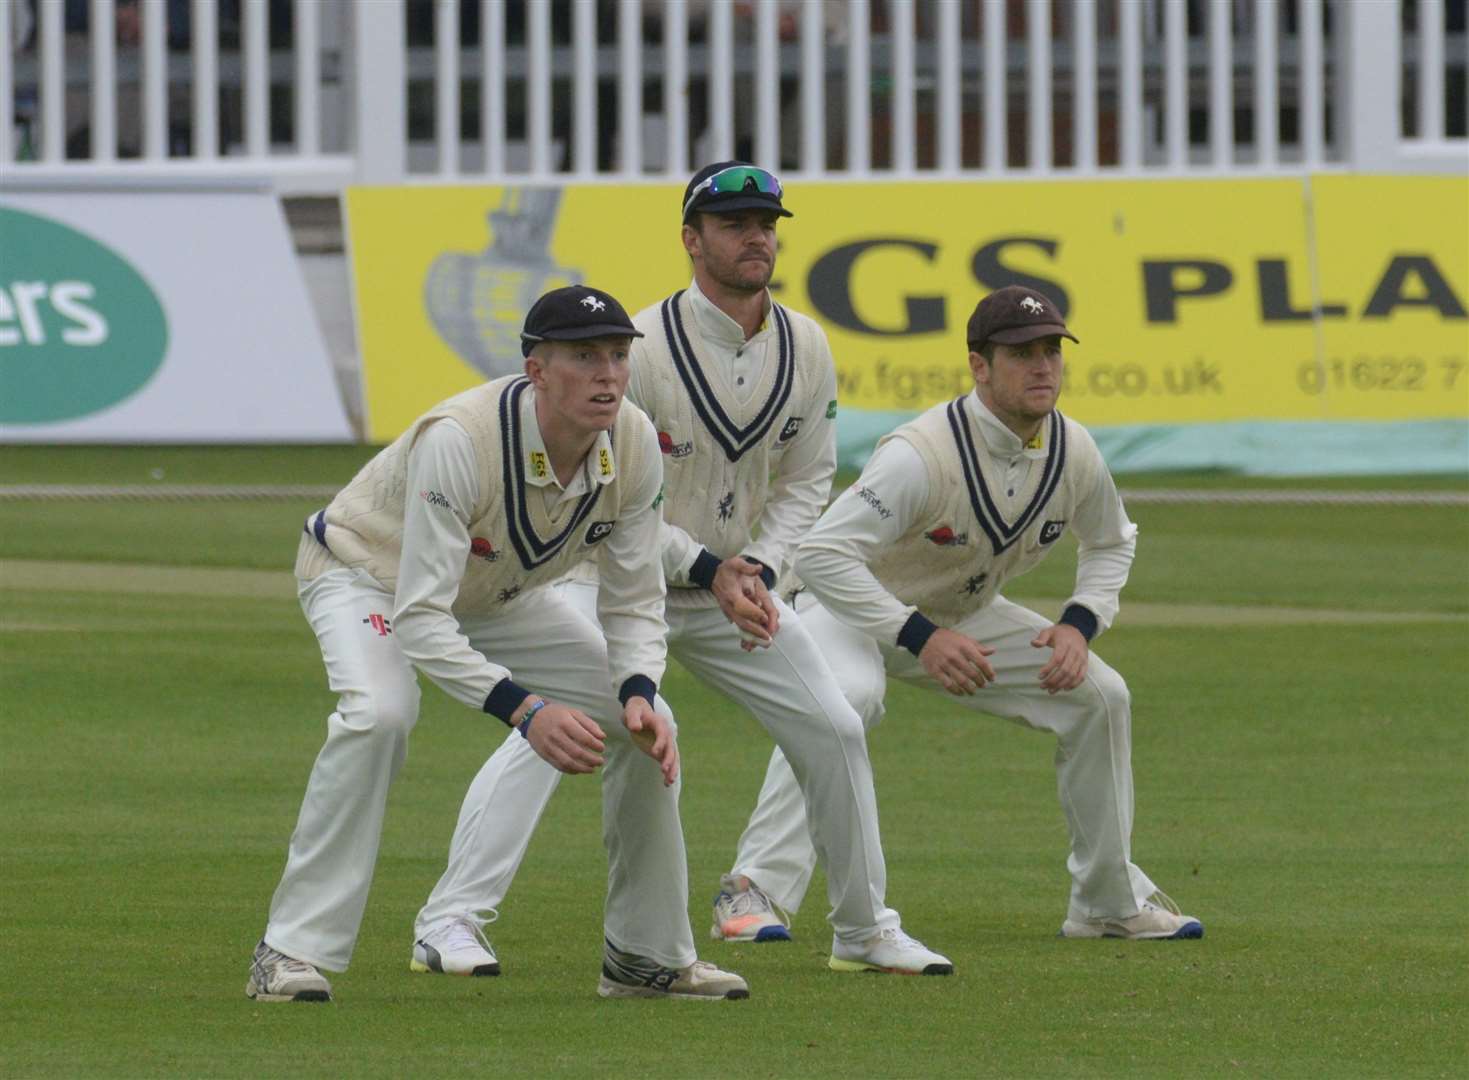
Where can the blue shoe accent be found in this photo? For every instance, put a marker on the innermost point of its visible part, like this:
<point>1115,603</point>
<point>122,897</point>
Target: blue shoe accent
<point>780,933</point>
<point>1189,930</point>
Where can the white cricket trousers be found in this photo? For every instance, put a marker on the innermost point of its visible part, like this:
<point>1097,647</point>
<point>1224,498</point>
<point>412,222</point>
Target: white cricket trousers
<point>317,909</point>
<point>791,692</point>
<point>1092,725</point>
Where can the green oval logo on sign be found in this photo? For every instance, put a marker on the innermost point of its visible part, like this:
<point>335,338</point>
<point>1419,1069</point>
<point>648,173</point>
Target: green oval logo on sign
<point>80,329</point>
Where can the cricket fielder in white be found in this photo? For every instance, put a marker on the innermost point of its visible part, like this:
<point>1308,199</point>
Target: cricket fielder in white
<point>428,561</point>
<point>742,393</point>
<point>903,576</point>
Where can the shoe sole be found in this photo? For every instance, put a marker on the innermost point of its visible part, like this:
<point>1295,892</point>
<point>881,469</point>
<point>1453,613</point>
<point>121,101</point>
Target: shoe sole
<point>303,995</point>
<point>423,969</point>
<point>858,965</point>
<point>765,933</point>
<point>608,989</point>
<point>1190,931</point>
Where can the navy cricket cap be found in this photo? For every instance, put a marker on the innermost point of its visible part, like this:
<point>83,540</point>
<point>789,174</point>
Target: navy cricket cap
<point>727,186</point>
<point>1014,315</point>
<point>575,313</point>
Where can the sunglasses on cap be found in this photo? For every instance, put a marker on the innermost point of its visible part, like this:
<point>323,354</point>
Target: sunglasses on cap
<point>733,181</point>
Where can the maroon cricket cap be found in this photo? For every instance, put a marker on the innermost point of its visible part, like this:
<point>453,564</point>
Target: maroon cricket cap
<point>1014,315</point>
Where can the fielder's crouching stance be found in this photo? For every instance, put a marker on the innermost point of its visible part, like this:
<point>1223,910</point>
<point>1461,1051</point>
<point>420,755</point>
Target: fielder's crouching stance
<point>426,561</point>
<point>903,574</point>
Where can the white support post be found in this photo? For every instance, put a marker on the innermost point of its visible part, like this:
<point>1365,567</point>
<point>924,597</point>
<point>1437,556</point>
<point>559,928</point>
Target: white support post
<point>1221,84</point>
<point>53,83</point>
<point>257,84</point>
<point>813,89</point>
<point>950,86</point>
<point>104,82</point>
<point>492,85</point>
<point>629,87</point>
<point>378,53</point>
<point>902,106</point>
<point>767,84</point>
<point>1038,88</point>
<point>446,84</point>
<point>996,116</point>
<point>1084,93</point>
<point>1267,84</point>
<point>538,84</point>
<point>1130,83</point>
<point>1175,83</point>
<point>859,94</point>
<point>155,81</point>
<point>205,48</point>
<point>676,87</point>
<point>1312,149</point>
<point>308,78</point>
<point>584,87</point>
<point>1371,84</point>
<point>1430,70</point>
<point>720,43</point>
<point>7,93</point>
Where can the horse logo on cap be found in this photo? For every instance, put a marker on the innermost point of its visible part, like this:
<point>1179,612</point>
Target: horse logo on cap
<point>592,303</point>
<point>1032,305</point>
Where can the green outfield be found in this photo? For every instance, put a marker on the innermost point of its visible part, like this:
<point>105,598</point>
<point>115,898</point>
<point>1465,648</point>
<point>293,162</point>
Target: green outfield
<point>1300,676</point>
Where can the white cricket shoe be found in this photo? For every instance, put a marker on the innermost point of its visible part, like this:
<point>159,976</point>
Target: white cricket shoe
<point>747,914</point>
<point>627,975</point>
<point>891,951</point>
<point>456,947</point>
<point>1158,919</point>
<point>274,976</point>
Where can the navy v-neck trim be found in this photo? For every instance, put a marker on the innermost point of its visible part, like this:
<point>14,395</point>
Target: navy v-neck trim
<point>736,441</point>
<point>1003,534</point>
<point>529,546</point>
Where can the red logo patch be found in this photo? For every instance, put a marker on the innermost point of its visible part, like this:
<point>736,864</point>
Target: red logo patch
<point>482,548</point>
<point>942,536</point>
<point>665,442</point>
<point>380,624</point>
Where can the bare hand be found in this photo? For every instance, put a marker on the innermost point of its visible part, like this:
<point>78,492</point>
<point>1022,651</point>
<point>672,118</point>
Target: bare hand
<point>567,738</point>
<point>745,601</point>
<point>653,736</point>
<point>957,661</point>
<point>1069,652</point>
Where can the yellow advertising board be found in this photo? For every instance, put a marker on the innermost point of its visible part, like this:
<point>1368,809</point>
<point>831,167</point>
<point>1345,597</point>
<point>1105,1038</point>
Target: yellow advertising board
<point>1330,297</point>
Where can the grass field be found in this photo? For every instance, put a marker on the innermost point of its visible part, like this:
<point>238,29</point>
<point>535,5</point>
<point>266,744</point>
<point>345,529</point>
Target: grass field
<point>1300,677</point>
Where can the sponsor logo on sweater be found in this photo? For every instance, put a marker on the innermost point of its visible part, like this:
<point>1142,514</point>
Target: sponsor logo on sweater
<point>673,449</point>
<point>944,536</point>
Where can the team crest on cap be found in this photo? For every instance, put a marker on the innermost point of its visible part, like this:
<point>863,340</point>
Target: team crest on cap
<point>591,303</point>
<point>1032,305</point>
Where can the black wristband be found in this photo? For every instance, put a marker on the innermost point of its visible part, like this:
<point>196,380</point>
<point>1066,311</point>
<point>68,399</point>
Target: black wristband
<point>504,699</point>
<point>767,574</point>
<point>637,686</point>
<point>915,633</point>
<point>1082,619</point>
<point>702,572</point>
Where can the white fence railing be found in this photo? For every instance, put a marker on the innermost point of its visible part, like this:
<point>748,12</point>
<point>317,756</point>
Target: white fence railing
<point>308,95</point>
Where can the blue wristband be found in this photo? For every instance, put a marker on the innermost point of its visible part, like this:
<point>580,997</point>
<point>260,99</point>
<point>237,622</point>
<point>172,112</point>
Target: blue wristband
<point>530,714</point>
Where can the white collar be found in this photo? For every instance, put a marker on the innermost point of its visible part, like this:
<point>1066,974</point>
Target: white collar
<point>1001,441</point>
<point>717,327</point>
<point>597,468</point>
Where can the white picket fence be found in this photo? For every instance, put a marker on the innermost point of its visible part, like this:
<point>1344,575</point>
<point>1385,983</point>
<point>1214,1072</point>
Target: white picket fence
<point>310,95</point>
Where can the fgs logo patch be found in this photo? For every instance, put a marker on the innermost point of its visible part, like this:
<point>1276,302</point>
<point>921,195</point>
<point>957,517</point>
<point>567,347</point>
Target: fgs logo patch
<point>604,462</point>
<point>1051,531</point>
<point>793,425</point>
<point>598,531</point>
<point>538,466</point>
<point>867,495</point>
